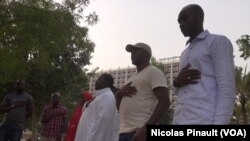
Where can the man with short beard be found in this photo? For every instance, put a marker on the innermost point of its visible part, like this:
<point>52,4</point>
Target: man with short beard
<point>17,106</point>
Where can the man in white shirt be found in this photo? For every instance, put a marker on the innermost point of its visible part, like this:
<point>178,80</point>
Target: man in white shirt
<point>100,120</point>
<point>144,99</point>
<point>206,82</point>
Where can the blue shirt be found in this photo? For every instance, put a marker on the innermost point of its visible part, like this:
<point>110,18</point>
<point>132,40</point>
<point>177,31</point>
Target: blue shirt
<point>212,99</point>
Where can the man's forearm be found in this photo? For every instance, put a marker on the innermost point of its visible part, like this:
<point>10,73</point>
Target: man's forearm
<point>158,113</point>
<point>118,101</point>
<point>5,108</point>
<point>162,95</point>
<point>29,112</point>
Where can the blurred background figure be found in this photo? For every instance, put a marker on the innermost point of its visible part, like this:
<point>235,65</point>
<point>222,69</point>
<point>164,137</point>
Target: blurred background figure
<point>17,106</point>
<point>86,97</point>
<point>100,120</point>
<point>53,120</point>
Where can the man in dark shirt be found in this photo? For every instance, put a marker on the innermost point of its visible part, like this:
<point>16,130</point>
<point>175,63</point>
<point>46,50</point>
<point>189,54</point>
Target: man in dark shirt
<point>17,106</point>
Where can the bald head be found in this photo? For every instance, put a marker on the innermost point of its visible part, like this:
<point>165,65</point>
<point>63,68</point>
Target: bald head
<point>196,10</point>
<point>104,81</point>
<point>55,98</point>
<point>191,20</point>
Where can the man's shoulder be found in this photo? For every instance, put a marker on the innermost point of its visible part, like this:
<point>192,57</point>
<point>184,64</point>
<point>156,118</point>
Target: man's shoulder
<point>26,94</point>
<point>214,39</point>
<point>10,95</point>
<point>153,69</point>
<point>217,36</point>
<point>47,106</point>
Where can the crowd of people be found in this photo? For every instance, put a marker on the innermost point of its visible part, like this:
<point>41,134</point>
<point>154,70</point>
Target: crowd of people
<point>205,89</point>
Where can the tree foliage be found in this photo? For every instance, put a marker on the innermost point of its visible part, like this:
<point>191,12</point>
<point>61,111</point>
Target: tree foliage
<point>243,90</point>
<point>244,46</point>
<point>157,63</point>
<point>41,42</point>
<point>243,79</point>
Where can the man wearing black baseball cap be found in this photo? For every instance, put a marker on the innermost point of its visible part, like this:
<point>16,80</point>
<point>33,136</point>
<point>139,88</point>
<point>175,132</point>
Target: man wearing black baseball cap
<point>144,98</point>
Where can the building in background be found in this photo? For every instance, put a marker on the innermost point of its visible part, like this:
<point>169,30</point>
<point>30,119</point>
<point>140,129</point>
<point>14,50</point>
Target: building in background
<point>121,75</point>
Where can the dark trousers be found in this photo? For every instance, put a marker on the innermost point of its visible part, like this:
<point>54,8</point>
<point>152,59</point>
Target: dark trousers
<point>126,136</point>
<point>10,132</point>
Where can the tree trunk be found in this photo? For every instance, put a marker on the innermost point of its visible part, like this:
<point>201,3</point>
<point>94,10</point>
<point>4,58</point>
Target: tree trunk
<point>33,129</point>
<point>243,108</point>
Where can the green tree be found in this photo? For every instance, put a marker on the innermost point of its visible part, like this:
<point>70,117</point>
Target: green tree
<point>244,46</point>
<point>243,79</point>
<point>157,63</point>
<point>243,91</point>
<point>42,42</point>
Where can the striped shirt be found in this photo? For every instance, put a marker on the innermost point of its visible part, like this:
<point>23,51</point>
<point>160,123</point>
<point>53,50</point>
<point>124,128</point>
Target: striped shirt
<point>55,125</point>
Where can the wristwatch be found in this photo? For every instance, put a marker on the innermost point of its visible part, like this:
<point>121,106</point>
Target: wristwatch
<point>12,106</point>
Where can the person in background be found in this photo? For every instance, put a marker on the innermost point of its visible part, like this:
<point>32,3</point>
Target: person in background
<point>53,120</point>
<point>100,121</point>
<point>206,82</point>
<point>86,97</point>
<point>144,98</point>
<point>17,106</point>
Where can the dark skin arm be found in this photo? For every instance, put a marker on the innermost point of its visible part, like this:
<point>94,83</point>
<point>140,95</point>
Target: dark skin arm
<point>162,95</point>
<point>7,108</point>
<point>29,112</point>
<point>187,76</point>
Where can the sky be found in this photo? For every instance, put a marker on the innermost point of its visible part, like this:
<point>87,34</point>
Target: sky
<point>154,22</point>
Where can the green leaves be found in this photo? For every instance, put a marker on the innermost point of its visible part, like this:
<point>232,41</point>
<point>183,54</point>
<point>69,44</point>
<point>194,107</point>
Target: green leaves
<point>41,42</point>
<point>244,46</point>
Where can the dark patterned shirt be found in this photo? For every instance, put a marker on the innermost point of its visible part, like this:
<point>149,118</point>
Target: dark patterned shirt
<point>54,126</point>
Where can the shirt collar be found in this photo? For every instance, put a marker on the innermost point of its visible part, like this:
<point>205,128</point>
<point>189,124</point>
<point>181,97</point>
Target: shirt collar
<point>201,36</point>
<point>99,92</point>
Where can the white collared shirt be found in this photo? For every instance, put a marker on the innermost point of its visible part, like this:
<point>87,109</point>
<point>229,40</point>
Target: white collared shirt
<point>100,120</point>
<point>212,99</point>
